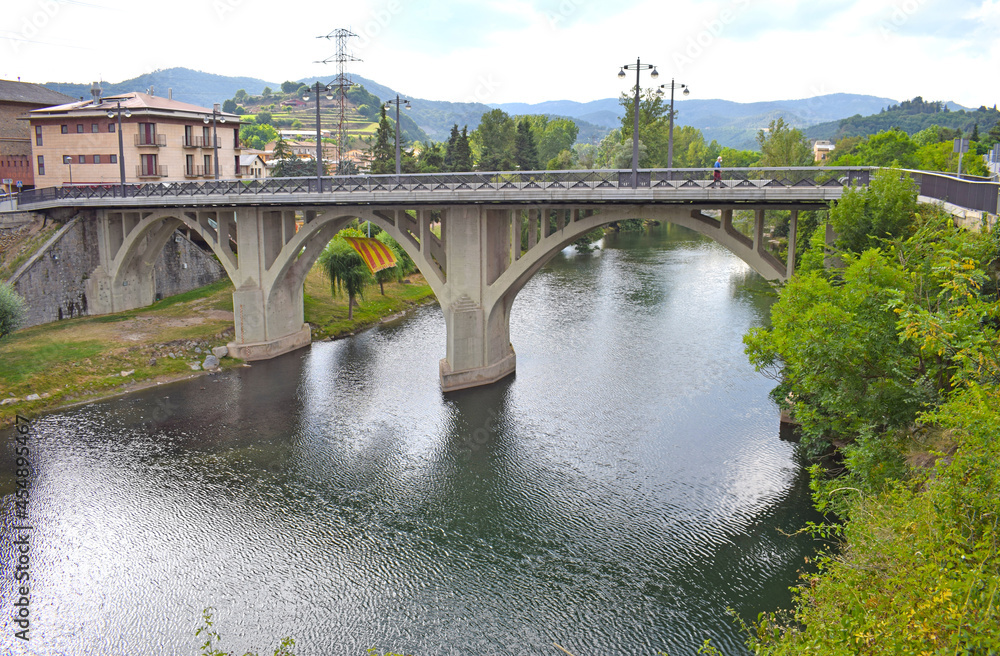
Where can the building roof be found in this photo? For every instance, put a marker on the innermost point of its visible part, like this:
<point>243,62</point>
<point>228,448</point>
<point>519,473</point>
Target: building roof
<point>34,94</point>
<point>247,160</point>
<point>135,102</point>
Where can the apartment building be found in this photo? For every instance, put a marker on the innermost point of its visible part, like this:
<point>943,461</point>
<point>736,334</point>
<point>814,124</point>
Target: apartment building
<point>16,100</point>
<point>161,140</point>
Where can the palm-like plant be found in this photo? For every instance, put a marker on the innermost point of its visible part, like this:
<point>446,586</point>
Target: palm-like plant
<point>345,268</point>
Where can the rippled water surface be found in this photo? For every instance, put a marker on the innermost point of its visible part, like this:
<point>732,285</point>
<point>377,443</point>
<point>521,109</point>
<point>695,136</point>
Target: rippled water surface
<point>615,496</point>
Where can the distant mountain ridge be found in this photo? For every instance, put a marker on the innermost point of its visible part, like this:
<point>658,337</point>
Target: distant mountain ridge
<point>730,123</point>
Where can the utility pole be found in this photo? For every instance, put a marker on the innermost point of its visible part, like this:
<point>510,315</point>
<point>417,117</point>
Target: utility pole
<point>342,82</point>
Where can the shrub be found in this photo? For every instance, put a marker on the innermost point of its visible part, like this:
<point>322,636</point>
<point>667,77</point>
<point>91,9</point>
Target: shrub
<point>12,310</point>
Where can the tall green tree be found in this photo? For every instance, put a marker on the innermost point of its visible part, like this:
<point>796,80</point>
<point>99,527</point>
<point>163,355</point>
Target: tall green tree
<point>783,145</point>
<point>883,210</point>
<point>462,152</point>
<point>383,151</point>
<point>345,269</point>
<point>654,127</point>
<point>495,139</point>
<point>525,151</point>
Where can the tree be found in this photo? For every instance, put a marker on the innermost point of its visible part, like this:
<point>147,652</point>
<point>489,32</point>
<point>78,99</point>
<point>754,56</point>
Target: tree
<point>288,86</point>
<point>294,168</point>
<point>866,216</point>
<point>240,96</point>
<point>12,310</point>
<point>654,127</point>
<point>229,106</point>
<point>257,136</point>
<point>266,93</point>
<point>393,273</point>
<point>462,152</point>
<point>383,154</point>
<point>525,151</point>
<point>783,145</point>
<point>263,118</point>
<point>495,138</point>
<point>345,268</point>
<point>281,150</point>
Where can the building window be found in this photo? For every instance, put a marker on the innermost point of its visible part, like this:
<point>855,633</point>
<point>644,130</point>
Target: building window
<point>208,166</point>
<point>41,165</point>
<point>111,127</point>
<point>94,127</point>
<point>38,135</point>
<point>237,158</point>
<point>236,138</point>
<point>67,159</point>
<point>81,159</point>
<point>79,128</point>
<point>189,164</point>
<point>113,159</point>
<point>97,159</point>
<point>64,129</point>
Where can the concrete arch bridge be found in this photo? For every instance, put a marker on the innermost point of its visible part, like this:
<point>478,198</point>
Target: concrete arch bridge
<point>268,235</point>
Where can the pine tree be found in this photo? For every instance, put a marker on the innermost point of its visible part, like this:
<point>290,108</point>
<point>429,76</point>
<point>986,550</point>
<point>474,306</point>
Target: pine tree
<point>383,153</point>
<point>450,150</point>
<point>463,153</point>
<point>525,151</point>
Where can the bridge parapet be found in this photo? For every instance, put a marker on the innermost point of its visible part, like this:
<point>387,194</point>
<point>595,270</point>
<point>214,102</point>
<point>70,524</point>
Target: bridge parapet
<point>794,184</point>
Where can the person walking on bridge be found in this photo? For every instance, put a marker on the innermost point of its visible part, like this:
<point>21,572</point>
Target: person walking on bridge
<point>717,173</point>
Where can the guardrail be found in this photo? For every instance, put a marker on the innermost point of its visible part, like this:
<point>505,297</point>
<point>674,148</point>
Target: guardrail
<point>486,183</point>
<point>980,194</point>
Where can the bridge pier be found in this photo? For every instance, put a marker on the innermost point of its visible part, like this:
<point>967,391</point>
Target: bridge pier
<point>477,243</point>
<point>267,305</point>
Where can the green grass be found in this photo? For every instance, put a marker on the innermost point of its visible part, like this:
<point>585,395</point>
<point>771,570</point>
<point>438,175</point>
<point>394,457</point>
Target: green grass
<point>82,359</point>
<point>24,250</point>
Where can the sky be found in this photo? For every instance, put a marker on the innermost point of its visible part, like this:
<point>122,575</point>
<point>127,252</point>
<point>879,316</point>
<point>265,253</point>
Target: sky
<point>498,51</point>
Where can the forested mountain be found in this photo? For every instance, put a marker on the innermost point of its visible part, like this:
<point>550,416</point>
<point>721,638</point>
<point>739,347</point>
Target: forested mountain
<point>187,85</point>
<point>910,116</point>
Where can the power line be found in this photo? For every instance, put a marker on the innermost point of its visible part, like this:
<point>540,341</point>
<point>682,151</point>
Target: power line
<point>343,82</point>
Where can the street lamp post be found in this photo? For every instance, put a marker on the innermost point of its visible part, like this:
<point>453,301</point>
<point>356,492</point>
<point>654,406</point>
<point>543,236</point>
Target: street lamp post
<point>216,116</point>
<point>397,102</point>
<point>638,66</point>
<point>317,89</point>
<point>118,111</point>
<point>670,137</point>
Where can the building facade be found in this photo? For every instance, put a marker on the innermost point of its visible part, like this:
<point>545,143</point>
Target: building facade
<point>161,140</point>
<point>16,100</point>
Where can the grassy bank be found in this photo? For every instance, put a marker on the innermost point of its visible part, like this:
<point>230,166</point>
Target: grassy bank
<point>88,358</point>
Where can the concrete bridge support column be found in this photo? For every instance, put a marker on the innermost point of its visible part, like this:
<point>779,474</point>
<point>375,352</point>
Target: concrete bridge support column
<point>478,251</point>
<point>267,307</point>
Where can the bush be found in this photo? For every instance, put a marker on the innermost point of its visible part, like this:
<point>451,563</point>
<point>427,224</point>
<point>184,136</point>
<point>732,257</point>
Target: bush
<point>12,310</point>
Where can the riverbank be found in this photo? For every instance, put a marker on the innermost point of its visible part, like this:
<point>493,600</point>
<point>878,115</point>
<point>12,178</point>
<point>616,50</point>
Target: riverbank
<point>55,365</point>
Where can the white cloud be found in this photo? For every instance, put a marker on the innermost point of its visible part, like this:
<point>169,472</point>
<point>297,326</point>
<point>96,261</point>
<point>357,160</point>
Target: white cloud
<point>529,50</point>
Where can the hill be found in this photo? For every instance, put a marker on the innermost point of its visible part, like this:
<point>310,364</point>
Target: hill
<point>187,85</point>
<point>730,123</point>
<point>910,116</point>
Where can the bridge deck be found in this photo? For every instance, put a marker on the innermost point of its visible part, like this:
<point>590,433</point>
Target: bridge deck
<point>789,186</point>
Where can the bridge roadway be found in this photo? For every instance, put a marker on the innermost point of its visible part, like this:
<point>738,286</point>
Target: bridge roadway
<point>268,233</point>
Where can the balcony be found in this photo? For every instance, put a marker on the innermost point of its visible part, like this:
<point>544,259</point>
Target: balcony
<point>194,172</point>
<point>150,140</point>
<point>200,142</point>
<point>143,171</point>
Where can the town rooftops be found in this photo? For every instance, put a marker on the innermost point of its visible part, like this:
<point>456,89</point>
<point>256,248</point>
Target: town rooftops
<point>28,93</point>
<point>135,102</point>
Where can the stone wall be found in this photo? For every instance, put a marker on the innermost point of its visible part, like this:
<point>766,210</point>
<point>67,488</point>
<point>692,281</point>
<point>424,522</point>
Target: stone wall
<point>54,285</point>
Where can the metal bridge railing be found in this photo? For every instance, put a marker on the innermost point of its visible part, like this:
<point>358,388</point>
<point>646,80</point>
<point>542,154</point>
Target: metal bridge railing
<point>485,183</point>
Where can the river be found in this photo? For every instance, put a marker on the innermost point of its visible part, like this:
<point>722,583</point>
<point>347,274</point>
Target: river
<point>615,496</point>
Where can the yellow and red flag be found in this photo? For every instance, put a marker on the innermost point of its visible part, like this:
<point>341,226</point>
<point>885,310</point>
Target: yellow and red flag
<point>377,256</point>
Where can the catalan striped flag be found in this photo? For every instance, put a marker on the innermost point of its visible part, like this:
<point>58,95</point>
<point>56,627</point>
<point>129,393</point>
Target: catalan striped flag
<point>377,256</point>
